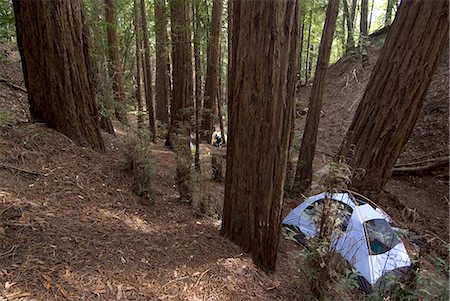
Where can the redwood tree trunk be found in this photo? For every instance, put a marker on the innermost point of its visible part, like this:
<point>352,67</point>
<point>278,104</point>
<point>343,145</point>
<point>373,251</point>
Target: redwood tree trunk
<point>303,175</point>
<point>182,100</point>
<point>295,59</point>
<point>57,69</point>
<point>162,62</point>
<point>148,75</point>
<point>114,61</point>
<point>260,116</point>
<point>363,31</point>
<point>395,93</point>
<point>212,83</point>
<point>350,33</point>
<point>308,50</point>
<point>137,29</point>
<point>198,81</point>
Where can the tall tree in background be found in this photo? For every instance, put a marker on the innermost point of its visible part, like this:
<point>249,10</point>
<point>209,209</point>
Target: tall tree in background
<point>114,61</point>
<point>182,101</point>
<point>57,68</point>
<point>308,49</point>
<point>198,79</point>
<point>162,62</point>
<point>303,175</point>
<point>295,59</point>
<point>364,32</point>
<point>395,93</point>
<point>137,29</point>
<point>350,46</point>
<point>260,114</point>
<point>148,74</point>
<point>212,71</point>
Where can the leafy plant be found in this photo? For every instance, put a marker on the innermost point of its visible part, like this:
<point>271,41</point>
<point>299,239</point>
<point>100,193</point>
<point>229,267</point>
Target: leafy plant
<point>142,165</point>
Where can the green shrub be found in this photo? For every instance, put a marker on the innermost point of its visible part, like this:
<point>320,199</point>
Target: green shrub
<point>141,164</point>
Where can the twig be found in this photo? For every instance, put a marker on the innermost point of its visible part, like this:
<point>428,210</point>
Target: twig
<point>202,274</point>
<point>8,83</point>
<point>13,248</point>
<point>37,173</point>
<point>174,280</point>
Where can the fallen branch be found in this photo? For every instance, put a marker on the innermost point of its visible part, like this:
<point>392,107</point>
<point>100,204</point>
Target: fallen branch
<point>440,159</point>
<point>415,169</point>
<point>31,172</point>
<point>201,276</point>
<point>14,86</point>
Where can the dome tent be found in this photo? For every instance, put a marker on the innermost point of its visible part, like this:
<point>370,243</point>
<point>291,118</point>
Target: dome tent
<point>366,239</point>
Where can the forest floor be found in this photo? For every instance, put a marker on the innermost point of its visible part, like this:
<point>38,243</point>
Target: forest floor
<point>72,226</point>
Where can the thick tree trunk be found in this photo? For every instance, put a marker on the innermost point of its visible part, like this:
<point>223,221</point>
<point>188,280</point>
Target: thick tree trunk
<point>295,59</point>
<point>148,75</point>
<point>395,93</point>
<point>57,69</point>
<point>260,116</point>
<point>303,175</point>
<point>162,62</point>
<point>211,85</point>
<point>139,102</point>
<point>350,32</point>
<point>114,61</point>
<point>198,81</point>
<point>182,100</point>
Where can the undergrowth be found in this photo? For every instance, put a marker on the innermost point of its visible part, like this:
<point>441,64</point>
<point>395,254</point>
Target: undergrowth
<point>141,164</point>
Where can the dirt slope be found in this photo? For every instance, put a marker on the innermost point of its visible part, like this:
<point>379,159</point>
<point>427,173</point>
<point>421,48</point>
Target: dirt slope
<point>425,196</point>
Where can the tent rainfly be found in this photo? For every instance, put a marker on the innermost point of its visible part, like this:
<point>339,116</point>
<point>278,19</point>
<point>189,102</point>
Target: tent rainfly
<point>366,241</point>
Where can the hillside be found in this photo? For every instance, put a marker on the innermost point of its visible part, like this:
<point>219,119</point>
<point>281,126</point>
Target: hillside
<point>424,195</point>
<point>72,226</point>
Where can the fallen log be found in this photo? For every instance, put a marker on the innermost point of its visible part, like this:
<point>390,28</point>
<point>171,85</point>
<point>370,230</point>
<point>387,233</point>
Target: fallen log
<point>417,169</point>
<point>432,160</point>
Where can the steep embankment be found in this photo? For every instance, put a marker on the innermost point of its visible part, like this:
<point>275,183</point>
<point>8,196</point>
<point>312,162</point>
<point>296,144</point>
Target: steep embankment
<point>418,201</point>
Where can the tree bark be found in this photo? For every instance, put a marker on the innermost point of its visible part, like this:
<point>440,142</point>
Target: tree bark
<point>162,62</point>
<point>395,93</point>
<point>182,100</point>
<point>148,75</point>
<point>308,50</point>
<point>260,116</point>
<point>114,61</point>
<point>137,28</point>
<point>303,176</point>
<point>350,32</point>
<point>363,31</point>
<point>198,81</point>
<point>300,51</point>
<point>211,85</point>
<point>58,74</point>
<point>295,59</point>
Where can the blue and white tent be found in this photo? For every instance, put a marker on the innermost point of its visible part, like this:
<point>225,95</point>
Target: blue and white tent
<point>366,239</point>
